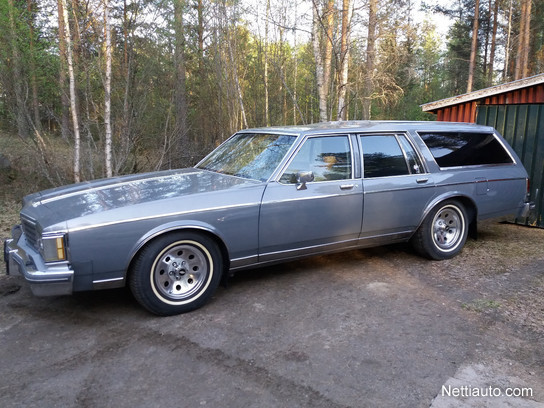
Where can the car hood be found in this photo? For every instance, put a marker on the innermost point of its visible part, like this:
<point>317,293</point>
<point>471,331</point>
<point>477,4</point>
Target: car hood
<point>156,192</point>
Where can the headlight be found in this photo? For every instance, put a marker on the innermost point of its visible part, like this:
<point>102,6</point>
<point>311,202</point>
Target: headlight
<point>53,248</point>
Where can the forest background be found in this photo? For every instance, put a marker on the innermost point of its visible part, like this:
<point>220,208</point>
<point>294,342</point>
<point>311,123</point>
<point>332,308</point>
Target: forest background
<point>96,88</point>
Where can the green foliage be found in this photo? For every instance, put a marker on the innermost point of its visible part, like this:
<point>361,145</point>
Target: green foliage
<point>412,67</point>
<point>457,57</point>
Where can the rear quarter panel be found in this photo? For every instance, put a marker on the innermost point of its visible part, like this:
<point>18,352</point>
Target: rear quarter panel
<point>496,190</point>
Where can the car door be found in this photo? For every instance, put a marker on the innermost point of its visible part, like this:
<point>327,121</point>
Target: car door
<point>315,204</point>
<point>397,187</point>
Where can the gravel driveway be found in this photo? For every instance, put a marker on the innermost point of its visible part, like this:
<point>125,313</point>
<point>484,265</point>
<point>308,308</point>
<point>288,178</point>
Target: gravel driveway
<point>379,328</point>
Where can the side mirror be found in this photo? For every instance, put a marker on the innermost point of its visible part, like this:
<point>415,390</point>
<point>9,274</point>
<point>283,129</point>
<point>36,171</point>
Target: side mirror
<point>304,177</point>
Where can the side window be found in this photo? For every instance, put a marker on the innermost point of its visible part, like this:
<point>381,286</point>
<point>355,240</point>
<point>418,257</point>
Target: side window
<point>382,156</point>
<point>414,161</point>
<point>452,149</point>
<point>328,157</point>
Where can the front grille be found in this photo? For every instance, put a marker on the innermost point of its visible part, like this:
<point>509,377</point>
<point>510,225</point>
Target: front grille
<point>31,232</point>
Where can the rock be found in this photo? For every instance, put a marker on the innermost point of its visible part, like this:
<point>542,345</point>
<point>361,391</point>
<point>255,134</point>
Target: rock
<point>5,164</point>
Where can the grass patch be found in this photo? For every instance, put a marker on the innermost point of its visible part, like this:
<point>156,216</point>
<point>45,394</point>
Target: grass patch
<point>481,305</point>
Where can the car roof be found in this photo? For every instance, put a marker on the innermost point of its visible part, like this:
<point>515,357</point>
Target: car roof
<point>370,125</point>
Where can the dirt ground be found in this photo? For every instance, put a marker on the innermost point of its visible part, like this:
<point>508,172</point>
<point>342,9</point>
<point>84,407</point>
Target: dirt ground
<point>368,328</point>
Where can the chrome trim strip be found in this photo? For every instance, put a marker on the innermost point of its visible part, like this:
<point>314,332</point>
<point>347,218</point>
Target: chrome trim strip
<point>108,283</point>
<point>397,176</point>
<point>361,242</point>
<point>263,131</point>
<point>339,194</point>
<point>151,217</point>
<point>473,166</point>
<point>332,244</point>
<point>311,247</point>
<point>415,187</point>
<point>474,182</point>
<point>244,261</point>
<point>107,280</point>
<point>504,146</point>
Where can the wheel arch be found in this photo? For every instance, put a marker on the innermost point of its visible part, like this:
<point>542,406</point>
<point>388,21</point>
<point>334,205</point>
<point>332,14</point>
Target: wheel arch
<point>163,230</point>
<point>468,203</point>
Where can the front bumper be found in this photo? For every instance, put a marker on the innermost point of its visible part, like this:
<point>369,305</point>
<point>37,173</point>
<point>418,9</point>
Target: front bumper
<point>44,279</point>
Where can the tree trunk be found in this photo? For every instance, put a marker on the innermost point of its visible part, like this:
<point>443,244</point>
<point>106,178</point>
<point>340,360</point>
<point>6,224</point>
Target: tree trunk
<point>266,107</point>
<point>486,44</point>
<point>238,87</point>
<point>73,101</point>
<point>107,93</point>
<point>344,59</point>
<point>295,73</point>
<point>183,156</point>
<point>318,64</point>
<point>327,62</point>
<point>508,43</point>
<point>127,70</point>
<point>33,81</point>
<point>527,45</point>
<point>493,44</point>
<point>322,61</point>
<point>65,102</point>
<point>474,47</point>
<point>368,86</point>
<point>522,58</point>
<point>20,106</point>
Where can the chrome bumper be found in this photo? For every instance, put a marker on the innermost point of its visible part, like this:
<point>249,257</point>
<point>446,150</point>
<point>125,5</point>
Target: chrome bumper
<point>526,209</point>
<point>44,279</point>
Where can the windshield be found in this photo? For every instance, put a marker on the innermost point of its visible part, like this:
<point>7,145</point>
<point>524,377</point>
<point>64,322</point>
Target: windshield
<point>249,155</point>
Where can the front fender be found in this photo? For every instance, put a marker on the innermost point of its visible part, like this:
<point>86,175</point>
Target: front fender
<point>169,227</point>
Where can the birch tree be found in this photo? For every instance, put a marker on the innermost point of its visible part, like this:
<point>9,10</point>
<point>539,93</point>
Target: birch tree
<point>322,28</point>
<point>347,12</point>
<point>107,93</point>
<point>266,108</point>
<point>368,85</point>
<point>65,102</point>
<point>73,100</point>
<point>182,149</point>
<point>493,42</point>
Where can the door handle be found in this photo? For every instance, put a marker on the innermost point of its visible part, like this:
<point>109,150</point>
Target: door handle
<point>422,180</point>
<point>347,186</point>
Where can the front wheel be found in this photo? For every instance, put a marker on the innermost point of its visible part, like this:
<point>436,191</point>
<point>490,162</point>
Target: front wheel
<point>444,231</point>
<point>176,273</point>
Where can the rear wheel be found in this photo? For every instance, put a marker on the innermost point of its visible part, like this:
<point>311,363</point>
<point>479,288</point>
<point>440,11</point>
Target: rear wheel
<point>176,273</point>
<point>444,231</point>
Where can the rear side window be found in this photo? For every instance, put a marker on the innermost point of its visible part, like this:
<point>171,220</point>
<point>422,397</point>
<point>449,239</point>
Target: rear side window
<point>382,156</point>
<point>452,149</point>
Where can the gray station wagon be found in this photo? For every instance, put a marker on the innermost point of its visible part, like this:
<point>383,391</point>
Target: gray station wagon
<point>263,196</point>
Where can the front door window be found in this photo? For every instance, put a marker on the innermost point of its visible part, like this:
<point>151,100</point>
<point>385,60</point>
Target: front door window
<point>328,158</point>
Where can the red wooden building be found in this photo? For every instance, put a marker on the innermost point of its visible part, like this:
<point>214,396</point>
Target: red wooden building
<point>516,110</point>
<point>462,108</point>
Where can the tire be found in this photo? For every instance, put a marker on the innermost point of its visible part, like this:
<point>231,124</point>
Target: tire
<point>176,273</point>
<point>443,232</point>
